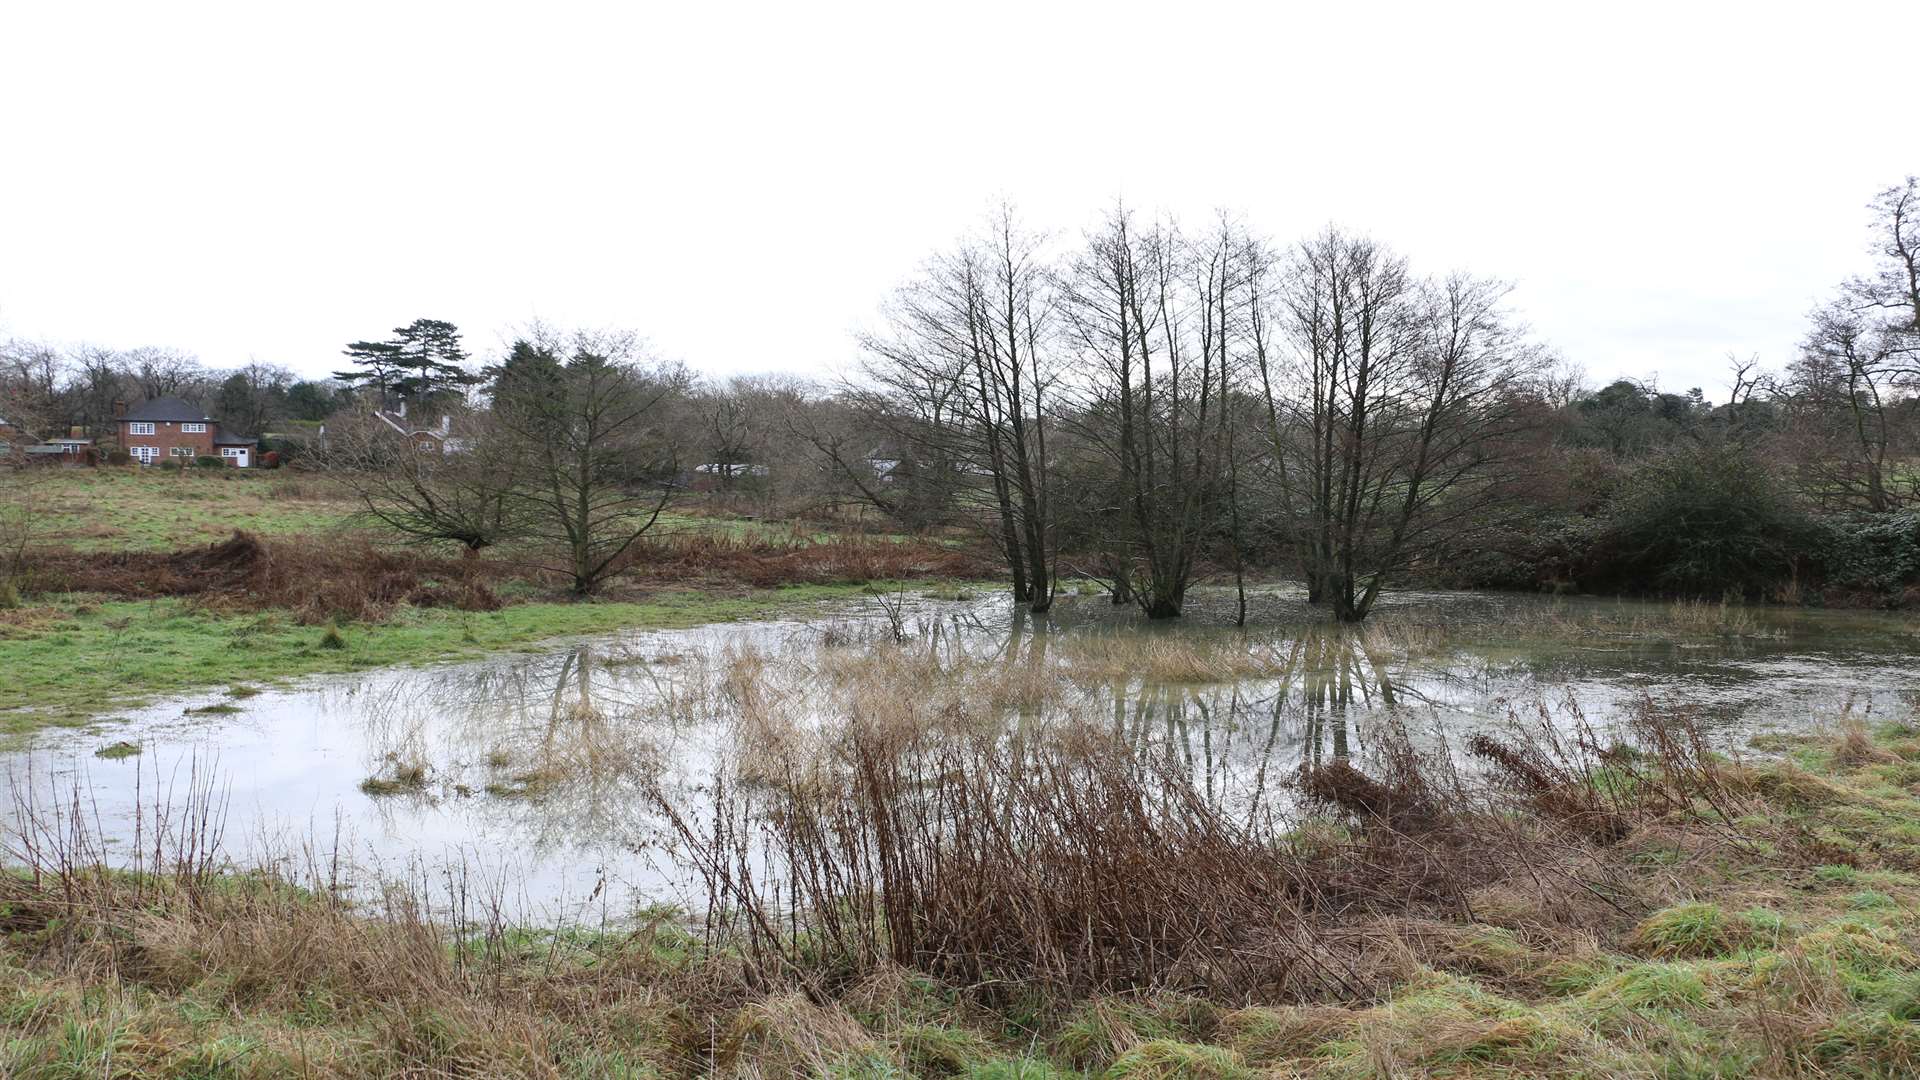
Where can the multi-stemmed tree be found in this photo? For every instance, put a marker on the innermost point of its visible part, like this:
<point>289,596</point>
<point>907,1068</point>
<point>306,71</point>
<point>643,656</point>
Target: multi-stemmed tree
<point>963,375</point>
<point>586,414</point>
<point>1395,405</point>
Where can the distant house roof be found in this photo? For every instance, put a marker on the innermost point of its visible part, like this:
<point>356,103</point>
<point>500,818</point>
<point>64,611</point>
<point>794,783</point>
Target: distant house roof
<point>167,410</point>
<point>234,440</point>
<point>398,421</point>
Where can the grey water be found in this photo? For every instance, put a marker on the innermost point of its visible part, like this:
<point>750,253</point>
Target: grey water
<point>530,776</point>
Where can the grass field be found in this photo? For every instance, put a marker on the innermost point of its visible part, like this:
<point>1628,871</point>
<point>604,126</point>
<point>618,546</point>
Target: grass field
<point>133,509</point>
<point>129,509</point>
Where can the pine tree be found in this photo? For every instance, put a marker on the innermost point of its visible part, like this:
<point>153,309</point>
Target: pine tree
<point>379,366</point>
<point>430,352</point>
<point>420,362</point>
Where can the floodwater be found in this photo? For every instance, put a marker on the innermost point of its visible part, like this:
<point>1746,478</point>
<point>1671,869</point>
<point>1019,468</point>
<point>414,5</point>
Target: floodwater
<point>531,777</point>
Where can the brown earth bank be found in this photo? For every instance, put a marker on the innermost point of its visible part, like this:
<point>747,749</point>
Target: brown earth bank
<point>336,579</point>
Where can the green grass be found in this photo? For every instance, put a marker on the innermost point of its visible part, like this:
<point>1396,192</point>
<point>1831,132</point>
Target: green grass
<point>132,509</point>
<point>70,659</point>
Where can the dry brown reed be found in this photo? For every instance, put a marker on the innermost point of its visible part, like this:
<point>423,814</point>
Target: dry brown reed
<point>908,829</point>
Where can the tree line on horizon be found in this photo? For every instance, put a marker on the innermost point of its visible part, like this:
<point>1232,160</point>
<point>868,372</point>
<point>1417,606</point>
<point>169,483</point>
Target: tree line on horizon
<point>1148,403</point>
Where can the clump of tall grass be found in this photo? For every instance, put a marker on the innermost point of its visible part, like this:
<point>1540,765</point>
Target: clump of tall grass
<point>902,829</point>
<point>1706,618</point>
<point>1182,658</point>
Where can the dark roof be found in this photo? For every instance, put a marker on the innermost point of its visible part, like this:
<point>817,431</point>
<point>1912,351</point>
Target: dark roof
<point>167,410</point>
<point>234,440</point>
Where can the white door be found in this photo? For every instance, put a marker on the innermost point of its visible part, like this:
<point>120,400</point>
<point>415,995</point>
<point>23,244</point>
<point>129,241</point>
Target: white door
<point>235,454</point>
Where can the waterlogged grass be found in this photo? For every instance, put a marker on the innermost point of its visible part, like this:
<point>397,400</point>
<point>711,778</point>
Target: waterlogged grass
<point>1782,943</point>
<point>70,659</point>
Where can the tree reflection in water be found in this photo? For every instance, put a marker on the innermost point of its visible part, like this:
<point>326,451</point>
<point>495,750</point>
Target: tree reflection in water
<point>543,765</point>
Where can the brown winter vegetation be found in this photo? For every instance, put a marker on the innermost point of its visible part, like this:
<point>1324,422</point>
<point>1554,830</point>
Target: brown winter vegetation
<point>333,578</point>
<point>918,888</point>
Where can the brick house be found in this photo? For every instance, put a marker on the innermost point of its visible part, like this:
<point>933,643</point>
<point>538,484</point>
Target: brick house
<point>170,429</point>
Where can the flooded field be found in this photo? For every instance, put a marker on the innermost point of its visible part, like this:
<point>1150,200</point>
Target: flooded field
<point>543,780</point>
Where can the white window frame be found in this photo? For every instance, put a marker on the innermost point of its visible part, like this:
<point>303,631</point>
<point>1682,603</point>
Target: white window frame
<point>193,429</point>
<point>145,455</point>
<point>233,451</point>
<point>179,451</point>
<point>138,427</point>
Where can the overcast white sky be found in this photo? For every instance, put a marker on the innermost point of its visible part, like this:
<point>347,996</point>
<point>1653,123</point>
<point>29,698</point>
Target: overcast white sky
<point>1666,183</point>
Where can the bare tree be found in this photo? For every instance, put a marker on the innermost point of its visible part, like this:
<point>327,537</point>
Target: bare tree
<point>1393,408</point>
<point>30,396</point>
<point>1859,368</point>
<point>586,412</point>
<point>469,495</point>
<point>25,415</point>
<point>966,358</point>
<point>1151,396</point>
<point>96,380</point>
<point>159,372</point>
<point>725,433</point>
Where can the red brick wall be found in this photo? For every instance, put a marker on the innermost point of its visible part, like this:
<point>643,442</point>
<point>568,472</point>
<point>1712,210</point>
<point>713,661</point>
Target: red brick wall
<point>167,435</point>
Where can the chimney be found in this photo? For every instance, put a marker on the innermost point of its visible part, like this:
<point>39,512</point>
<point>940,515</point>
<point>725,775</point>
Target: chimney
<point>119,409</point>
<point>446,423</point>
<point>403,408</point>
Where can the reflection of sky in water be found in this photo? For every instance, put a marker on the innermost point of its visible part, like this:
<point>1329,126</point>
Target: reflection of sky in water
<point>612,717</point>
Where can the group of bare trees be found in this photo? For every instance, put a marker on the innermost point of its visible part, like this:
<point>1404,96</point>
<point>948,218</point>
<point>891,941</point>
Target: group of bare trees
<point>1848,401</point>
<point>50,391</point>
<point>1840,421</point>
<point>1148,398</point>
<point>1136,404</point>
<point>572,456</point>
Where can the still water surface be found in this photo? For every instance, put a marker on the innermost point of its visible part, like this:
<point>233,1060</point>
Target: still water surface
<point>639,711</point>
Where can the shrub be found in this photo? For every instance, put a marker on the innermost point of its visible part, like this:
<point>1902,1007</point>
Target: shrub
<point>205,462</point>
<point>119,457</point>
<point>1870,553</point>
<point>1699,521</point>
